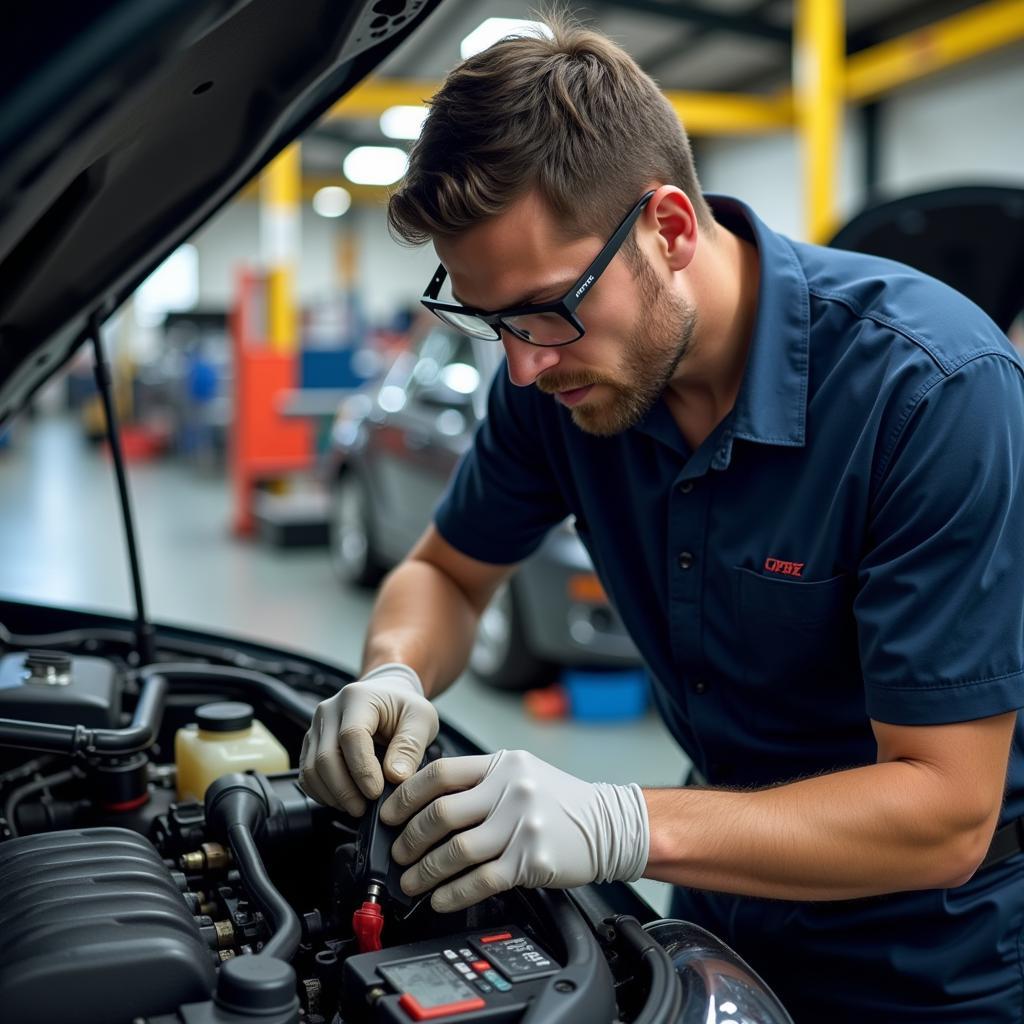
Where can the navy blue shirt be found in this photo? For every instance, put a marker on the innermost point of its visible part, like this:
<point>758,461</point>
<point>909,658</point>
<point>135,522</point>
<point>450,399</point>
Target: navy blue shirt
<point>847,545</point>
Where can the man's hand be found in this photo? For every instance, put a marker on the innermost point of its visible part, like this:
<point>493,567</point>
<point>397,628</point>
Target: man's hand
<point>521,820</point>
<point>337,764</point>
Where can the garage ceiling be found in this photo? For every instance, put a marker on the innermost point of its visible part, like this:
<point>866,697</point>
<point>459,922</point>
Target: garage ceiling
<point>706,45</point>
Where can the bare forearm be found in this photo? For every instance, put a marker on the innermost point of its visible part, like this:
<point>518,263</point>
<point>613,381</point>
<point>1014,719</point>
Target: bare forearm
<point>880,828</point>
<point>423,620</point>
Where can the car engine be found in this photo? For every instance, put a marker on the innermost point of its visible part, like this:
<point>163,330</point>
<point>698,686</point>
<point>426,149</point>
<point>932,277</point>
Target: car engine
<point>123,904</point>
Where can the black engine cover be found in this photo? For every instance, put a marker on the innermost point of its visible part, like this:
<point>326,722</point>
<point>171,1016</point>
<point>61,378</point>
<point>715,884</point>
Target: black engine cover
<point>60,689</point>
<point>93,930</point>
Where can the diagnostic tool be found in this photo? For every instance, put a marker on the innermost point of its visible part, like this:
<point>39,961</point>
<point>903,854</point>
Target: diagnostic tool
<point>375,873</point>
<point>485,975</point>
<point>373,851</point>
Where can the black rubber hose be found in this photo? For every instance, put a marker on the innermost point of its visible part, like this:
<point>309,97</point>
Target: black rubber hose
<point>298,708</point>
<point>76,739</point>
<point>221,654</point>
<point>24,771</point>
<point>237,807</point>
<point>590,993</point>
<point>18,795</point>
<point>572,930</point>
<point>66,637</point>
<point>276,909</point>
<point>145,725</point>
<point>51,739</point>
<point>664,996</point>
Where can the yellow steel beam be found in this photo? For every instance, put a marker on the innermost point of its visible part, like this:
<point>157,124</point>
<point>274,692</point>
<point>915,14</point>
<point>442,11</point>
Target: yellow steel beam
<point>281,180</point>
<point>818,55</point>
<point>980,30</point>
<point>280,191</point>
<point>373,96</point>
<point>311,184</point>
<point>703,113</point>
<point>711,113</point>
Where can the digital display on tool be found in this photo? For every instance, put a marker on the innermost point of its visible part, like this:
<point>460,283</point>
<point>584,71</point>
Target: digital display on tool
<point>515,955</point>
<point>432,985</point>
<point>493,975</point>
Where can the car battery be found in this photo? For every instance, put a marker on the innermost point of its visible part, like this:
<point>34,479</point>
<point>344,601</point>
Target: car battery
<point>60,689</point>
<point>488,976</point>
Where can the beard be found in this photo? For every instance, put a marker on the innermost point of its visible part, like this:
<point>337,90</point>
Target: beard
<point>659,341</point>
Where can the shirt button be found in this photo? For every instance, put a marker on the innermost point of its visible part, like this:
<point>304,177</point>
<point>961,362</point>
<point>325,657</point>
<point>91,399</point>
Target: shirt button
<point>700,686</point>
<point>686,486</point>
<point>685,560</point>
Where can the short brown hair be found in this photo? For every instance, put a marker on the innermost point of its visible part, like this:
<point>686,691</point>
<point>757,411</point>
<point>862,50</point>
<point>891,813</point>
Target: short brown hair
<point>572,116</point>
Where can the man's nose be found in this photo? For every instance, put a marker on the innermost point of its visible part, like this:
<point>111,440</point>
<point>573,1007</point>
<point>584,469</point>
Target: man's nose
<point>527,362</point>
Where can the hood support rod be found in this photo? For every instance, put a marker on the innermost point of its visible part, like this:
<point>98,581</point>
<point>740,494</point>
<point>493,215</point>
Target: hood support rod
<point>144,632</point>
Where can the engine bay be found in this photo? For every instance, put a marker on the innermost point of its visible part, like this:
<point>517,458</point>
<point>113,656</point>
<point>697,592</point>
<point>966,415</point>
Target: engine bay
<point>126,903</point>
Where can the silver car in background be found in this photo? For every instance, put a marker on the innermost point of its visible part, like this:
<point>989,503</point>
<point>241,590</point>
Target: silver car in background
<point>394,446</point>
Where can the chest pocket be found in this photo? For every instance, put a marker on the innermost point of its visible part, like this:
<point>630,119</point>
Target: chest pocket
<point>793,627</point>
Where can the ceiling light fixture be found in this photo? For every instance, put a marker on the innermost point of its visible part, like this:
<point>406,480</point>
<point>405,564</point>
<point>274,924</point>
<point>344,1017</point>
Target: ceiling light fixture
<point>403,122</point>
<point>332,201</point>
<point>488,32</point>
<point>375,165</point>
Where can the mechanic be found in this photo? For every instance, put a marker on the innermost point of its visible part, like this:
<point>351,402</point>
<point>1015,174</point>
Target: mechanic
<point>798,473</point>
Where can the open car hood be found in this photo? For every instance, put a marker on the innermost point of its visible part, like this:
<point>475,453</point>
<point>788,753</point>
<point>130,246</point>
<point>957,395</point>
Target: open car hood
<point>970,237</point>
<point>126,124</point>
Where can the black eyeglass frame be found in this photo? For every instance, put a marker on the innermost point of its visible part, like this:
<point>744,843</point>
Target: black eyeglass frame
<point>566,306</point>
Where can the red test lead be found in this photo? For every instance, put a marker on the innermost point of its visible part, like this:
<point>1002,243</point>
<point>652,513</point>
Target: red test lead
<point>368,922</point>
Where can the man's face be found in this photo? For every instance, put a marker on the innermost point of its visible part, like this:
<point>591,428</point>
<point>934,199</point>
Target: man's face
<point>637,331</point>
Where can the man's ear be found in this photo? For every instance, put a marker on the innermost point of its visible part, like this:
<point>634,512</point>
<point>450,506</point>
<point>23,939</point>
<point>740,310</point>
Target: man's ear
<point>670,213</point>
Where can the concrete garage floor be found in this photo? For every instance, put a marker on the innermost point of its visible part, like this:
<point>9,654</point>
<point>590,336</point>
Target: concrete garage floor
<point>62,543</point>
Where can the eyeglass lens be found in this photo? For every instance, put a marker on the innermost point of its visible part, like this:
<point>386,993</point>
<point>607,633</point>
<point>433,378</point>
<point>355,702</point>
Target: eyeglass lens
<point>468,324</point>
<point>543,328</point>
<point>536,328</point>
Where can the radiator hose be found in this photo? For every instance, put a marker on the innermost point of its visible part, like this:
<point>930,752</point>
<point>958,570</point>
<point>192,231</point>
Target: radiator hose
<point>237,811</point>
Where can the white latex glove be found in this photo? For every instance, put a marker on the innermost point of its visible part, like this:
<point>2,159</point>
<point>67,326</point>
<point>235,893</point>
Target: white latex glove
<point>522,820</point>
<point>337,764</point>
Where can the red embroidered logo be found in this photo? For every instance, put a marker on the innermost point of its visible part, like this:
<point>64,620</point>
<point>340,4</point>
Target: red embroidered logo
<point>776,565</point>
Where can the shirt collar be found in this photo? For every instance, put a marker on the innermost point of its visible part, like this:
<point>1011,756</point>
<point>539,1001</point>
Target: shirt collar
<point>771,407</point>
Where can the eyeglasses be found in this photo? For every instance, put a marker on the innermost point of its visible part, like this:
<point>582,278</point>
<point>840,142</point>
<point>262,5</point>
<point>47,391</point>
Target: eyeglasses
<point>548,324</point>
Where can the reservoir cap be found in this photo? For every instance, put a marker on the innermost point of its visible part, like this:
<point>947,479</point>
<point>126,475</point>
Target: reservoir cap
<point>224,716</point>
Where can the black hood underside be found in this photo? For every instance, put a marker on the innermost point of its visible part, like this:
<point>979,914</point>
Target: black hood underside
<point>125,125</point>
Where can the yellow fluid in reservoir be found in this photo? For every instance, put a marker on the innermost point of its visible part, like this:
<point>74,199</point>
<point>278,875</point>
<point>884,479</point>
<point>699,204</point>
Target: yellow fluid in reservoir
<point>203,756</point>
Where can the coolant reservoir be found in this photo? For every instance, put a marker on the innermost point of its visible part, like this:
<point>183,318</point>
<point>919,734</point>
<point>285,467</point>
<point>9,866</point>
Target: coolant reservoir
<point>225,738</point>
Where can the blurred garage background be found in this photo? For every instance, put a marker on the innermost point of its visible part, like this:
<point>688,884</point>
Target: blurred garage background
<point>290,414</point>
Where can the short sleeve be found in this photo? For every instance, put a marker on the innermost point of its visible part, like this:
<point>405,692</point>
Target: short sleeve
<point>940,604</point>
<point>504,496</point>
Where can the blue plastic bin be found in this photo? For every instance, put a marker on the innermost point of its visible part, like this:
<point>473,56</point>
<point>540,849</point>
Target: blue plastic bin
<point>609,696</point>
